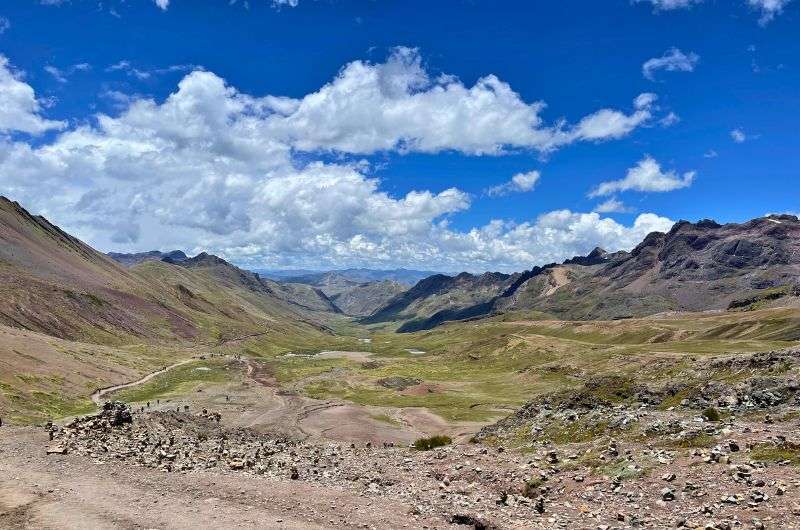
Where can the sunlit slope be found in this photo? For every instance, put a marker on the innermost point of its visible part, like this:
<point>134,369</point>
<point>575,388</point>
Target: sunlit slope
<point>51,282</point>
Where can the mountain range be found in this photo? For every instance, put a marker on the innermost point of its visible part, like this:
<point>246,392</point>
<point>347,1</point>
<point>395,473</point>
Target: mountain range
<point>66,308</point>
<point>693,267</point>
<point>353,292</point>
<point>407,277</point>
<point>56,284</point>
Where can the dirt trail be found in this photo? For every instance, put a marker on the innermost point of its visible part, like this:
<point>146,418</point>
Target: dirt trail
<point>97,396</point>
<point>60,492</point>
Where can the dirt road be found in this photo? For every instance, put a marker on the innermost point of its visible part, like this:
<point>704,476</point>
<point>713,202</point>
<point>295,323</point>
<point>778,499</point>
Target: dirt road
<point>59,492</point>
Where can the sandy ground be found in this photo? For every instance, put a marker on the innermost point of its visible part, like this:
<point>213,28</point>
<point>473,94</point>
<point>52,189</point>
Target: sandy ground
<point>69,492</point>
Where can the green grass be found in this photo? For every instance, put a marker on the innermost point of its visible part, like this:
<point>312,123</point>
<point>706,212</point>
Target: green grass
<point>426,444</point>
<point>385,418</point>
<point>453,406</point>
<point>698,440</point>
<point>773,453</point>
<point>505,361</point>
<point>621,469</point>
<point>181,380</point>
<point>575,432</point>
<point>478,370</point>
<point>711,414</point>
<point>36,405</point>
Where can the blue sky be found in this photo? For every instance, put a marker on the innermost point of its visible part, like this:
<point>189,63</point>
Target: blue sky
<point>379,133</point>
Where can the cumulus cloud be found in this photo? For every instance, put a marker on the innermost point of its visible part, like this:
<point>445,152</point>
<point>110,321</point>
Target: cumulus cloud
<point>768,8</point>
<point>521,182</point>
<point>398,105</point>
<point>552,237</point>
<point>285,3</point>
<point>212,168</point>
<point>20,110</point>
<point>673,60</point>
<point>163,4</point>
<point>5,24</point>
<point>738,136</point>
<point>646,176</point>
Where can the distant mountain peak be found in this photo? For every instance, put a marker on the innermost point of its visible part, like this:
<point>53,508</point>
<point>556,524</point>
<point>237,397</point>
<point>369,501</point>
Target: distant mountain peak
<point>129,260</point>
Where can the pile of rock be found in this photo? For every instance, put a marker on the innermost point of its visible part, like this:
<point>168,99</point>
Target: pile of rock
<point>618,482</point>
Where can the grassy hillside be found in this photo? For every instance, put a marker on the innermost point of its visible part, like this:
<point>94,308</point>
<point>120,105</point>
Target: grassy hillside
<point>74,320</point>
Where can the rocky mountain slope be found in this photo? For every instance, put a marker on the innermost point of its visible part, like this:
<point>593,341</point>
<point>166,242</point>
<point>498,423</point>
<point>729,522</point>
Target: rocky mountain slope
<point>53,283</point>
<point>348,295</point>
<point>365,298</point>
<point>439,298</point>
<point>228,275</point>
<point>694,267</point>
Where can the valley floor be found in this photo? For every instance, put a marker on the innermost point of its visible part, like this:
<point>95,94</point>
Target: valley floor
<point>320,438</point>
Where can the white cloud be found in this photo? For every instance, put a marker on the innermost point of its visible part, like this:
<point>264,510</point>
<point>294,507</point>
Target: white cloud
<point>163,4</point>
<point>397,105</point>
<point>673,60</point>
<point>212,168</point>
<point>552,237</point>
<point>126,66</point>
<point>62,76</point>
<point>710,154</point>
<point>669,120</point>
<point>285,3</point>
<point>20,110</point>
<point>768,8</point>
<point>646,176</point>
<point>521,182</point>
<point>5,24</point>
<point>612,205</point>
<point>57,74</point>
<point>738,136</point>
<point>669,5</point>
